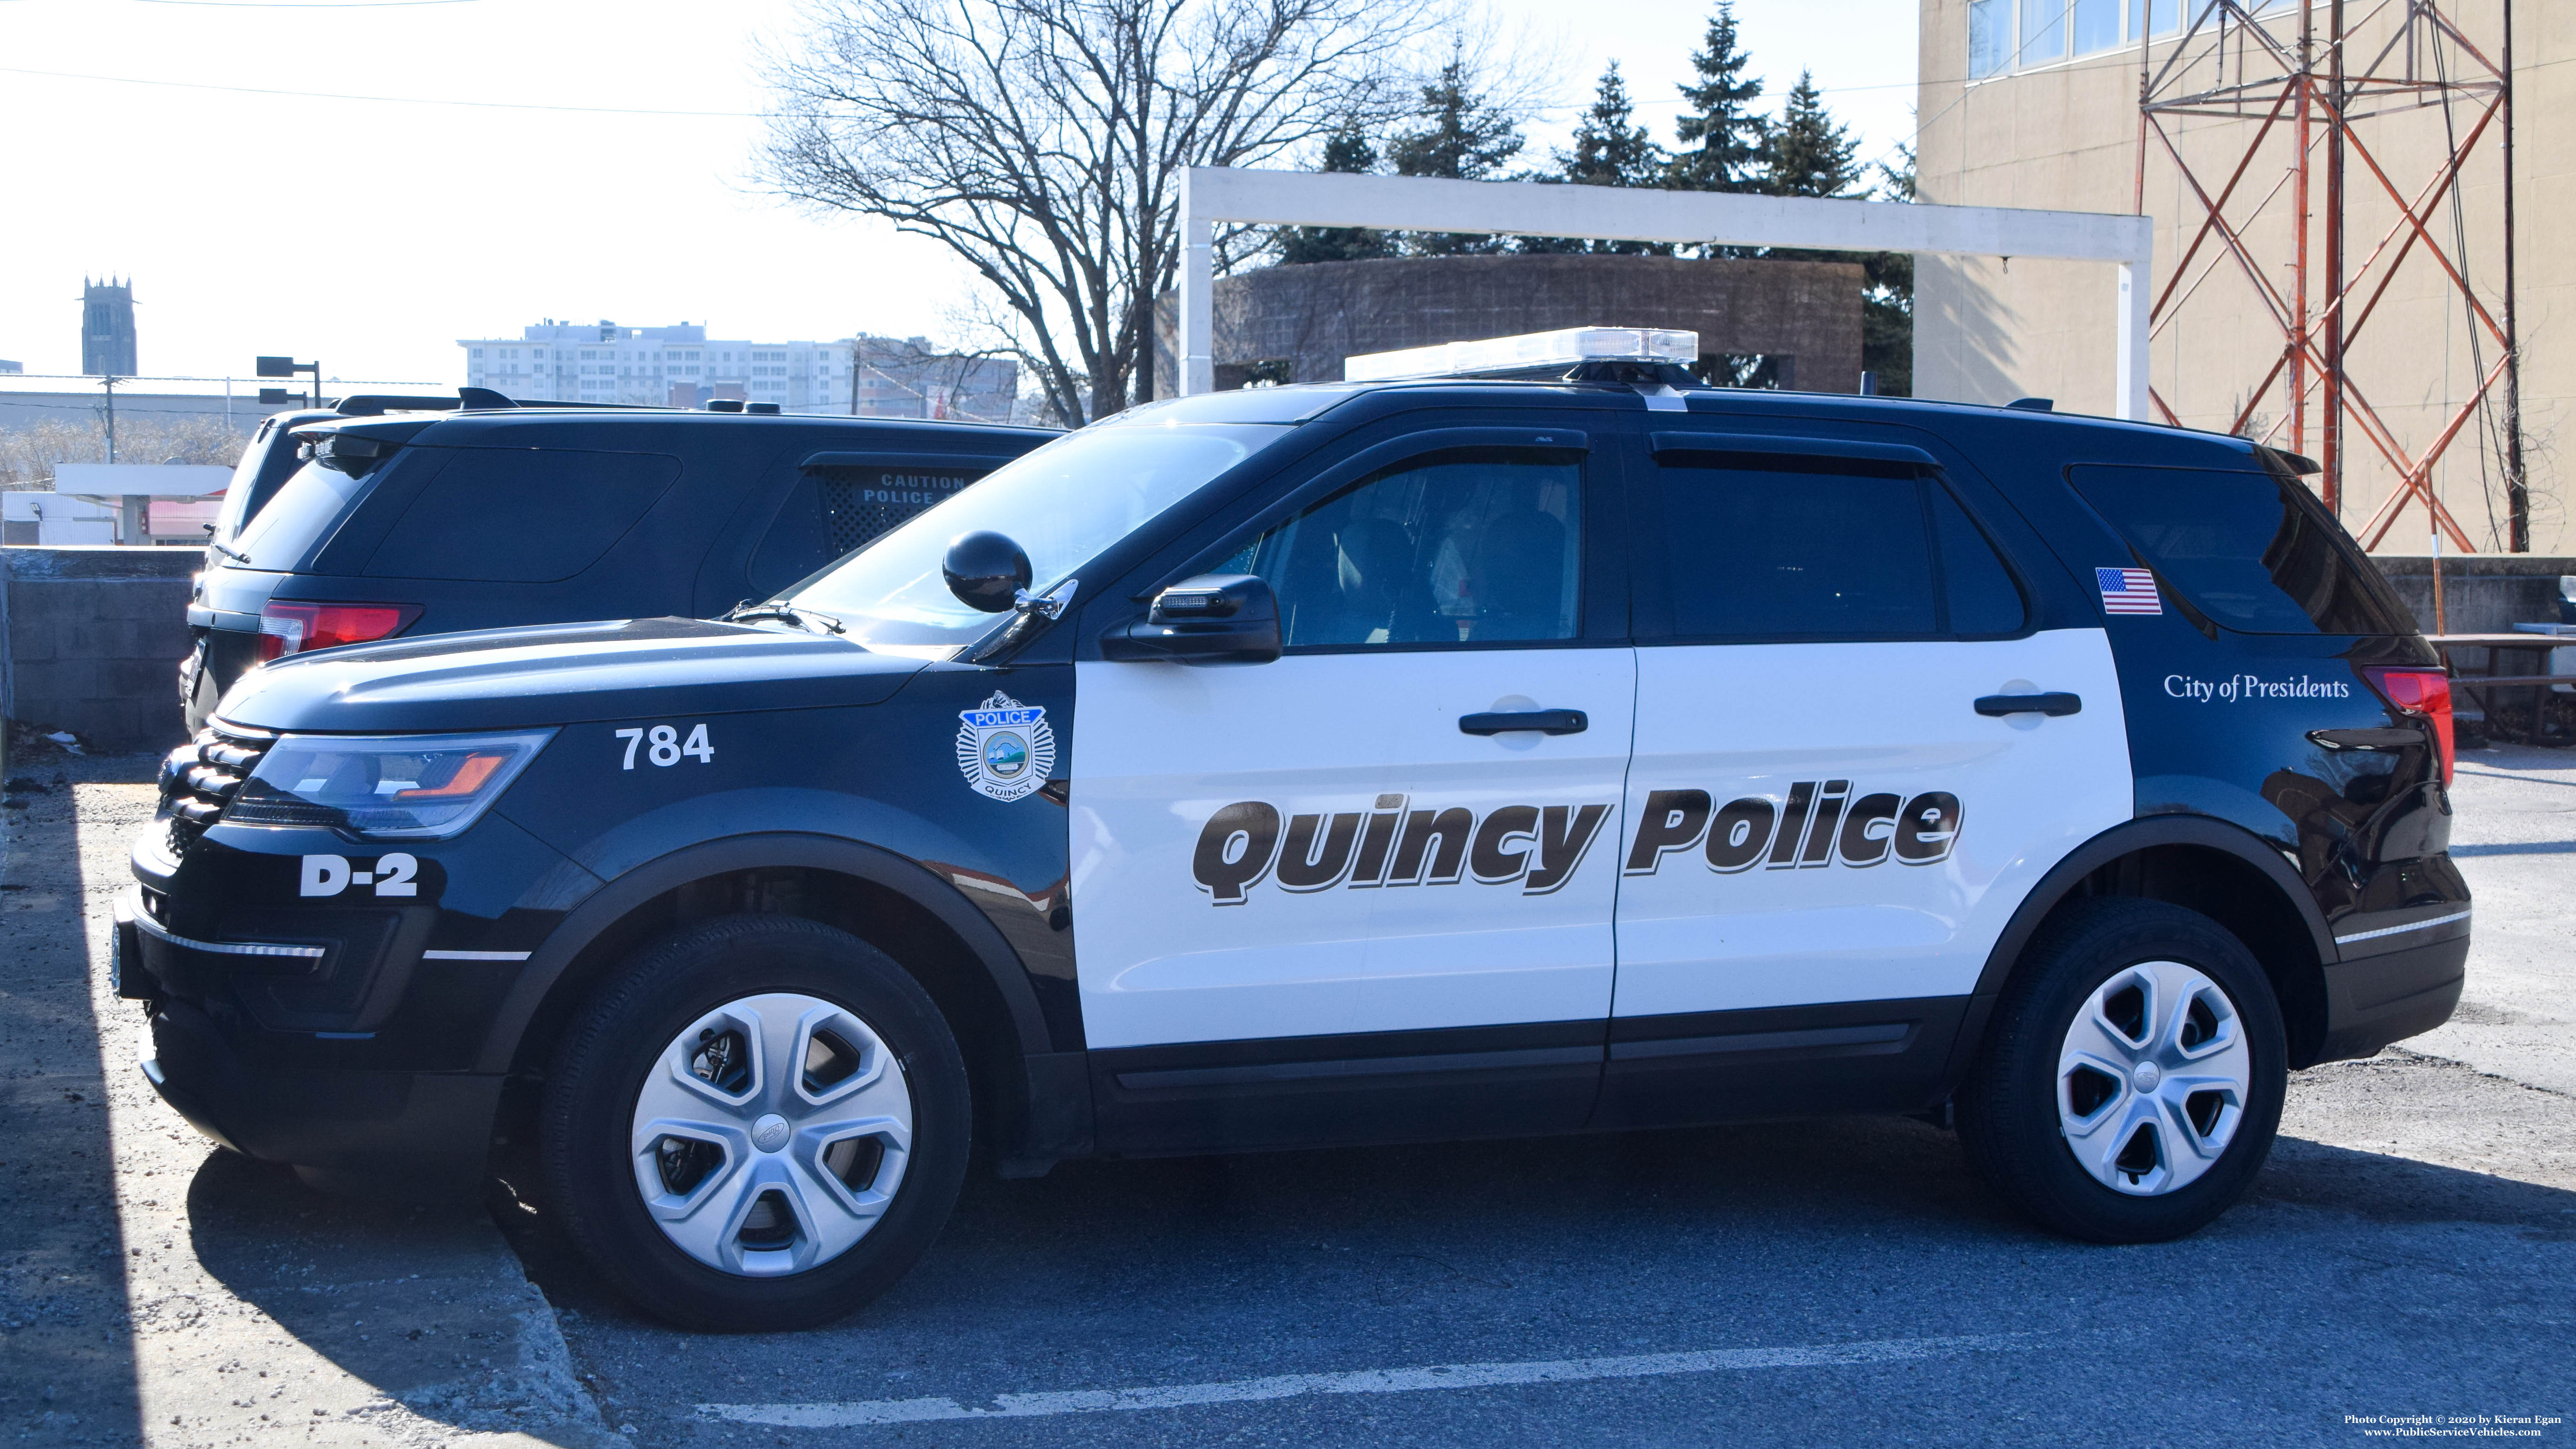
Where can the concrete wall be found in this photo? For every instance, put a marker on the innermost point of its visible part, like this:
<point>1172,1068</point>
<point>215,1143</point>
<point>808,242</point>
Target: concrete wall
<point>2068,136</point>
<point>93,637</point>
<point>1315,315</point>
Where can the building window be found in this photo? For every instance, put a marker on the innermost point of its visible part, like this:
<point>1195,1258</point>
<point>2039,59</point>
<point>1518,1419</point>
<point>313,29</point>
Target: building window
<point>2009,35</point>
<point>478,352</point>
<point>2043,32</point>
<point>2097,26</point>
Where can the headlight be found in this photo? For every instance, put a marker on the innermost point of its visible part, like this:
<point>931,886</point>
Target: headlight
<point>399,787</point>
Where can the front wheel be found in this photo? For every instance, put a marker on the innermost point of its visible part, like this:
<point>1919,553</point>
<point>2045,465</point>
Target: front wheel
<point>760,1124</point>
<point>2132,1081</point>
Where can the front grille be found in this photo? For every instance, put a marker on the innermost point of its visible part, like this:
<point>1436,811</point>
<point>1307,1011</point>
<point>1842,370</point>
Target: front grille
<point>201,777</point>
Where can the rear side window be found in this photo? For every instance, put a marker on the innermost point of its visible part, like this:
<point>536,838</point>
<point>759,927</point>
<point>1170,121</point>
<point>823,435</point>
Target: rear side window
<point>2253,551</point>
<point>527,516</point>
<point>837,509</point>
<point>1767,546</point>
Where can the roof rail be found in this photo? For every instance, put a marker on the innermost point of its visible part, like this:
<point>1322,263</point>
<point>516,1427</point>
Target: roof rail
<point>535,402</point>
<point>377,404</point>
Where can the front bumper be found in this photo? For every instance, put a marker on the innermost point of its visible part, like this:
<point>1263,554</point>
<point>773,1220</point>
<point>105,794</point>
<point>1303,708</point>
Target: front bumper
<point>427,1132</point>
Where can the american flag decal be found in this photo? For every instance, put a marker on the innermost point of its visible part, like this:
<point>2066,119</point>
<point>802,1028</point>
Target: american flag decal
<point>2129,591</point>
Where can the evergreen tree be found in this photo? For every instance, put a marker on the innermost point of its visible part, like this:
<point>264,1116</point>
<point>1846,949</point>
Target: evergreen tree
<point>1887,304</point>
<point>1463,136</point>
<point>1808,153</point>
<point>1722,137</point>
<point>1346,150</point>
<point>1610,149</point>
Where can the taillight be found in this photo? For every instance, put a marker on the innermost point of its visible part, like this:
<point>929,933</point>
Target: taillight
<point>2421,691</point>
<point>290,627</point>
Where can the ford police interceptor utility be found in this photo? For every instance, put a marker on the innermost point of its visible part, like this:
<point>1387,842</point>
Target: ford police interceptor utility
<point>1454,756</point>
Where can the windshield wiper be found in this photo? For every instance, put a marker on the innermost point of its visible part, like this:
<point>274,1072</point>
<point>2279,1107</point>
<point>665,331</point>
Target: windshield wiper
<point>801,618</point>
<point>236,557</point>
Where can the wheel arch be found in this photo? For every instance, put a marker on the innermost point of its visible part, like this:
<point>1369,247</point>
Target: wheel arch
<point>2221,870</point>
<point>887,900</point>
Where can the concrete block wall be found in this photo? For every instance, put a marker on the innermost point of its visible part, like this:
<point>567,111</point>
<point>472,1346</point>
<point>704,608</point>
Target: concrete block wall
<point>2486,593</point>
<point>91,639</point>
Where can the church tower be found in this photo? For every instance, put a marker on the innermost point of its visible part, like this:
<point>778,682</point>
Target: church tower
<point>107,328</point>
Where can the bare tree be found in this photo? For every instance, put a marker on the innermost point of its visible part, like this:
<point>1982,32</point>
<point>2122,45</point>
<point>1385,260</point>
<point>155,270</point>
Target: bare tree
<point>1044,141</point>
<point>28,454</point>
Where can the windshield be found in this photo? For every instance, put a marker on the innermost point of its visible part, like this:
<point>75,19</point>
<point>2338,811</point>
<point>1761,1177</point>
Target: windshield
<point>1064,504</point>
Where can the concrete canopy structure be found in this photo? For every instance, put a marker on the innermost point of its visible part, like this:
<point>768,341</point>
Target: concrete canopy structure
<point>1299,322</point>
<point>1210,195</point>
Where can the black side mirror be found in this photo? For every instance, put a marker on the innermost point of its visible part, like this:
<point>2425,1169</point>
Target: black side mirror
<point>1210,619</point>
<point>985,570</point>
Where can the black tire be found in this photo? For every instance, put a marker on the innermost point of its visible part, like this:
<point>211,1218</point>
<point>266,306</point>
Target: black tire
<point>602,1065</point>
<point>2009,1107</point>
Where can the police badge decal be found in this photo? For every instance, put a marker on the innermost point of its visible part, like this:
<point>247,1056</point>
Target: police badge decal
<point>1005,748</point>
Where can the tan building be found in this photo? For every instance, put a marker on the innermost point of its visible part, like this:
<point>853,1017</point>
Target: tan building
<point>2035,103</point>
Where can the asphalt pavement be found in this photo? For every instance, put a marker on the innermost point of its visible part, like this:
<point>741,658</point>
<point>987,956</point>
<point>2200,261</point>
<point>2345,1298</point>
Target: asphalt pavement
<point>2409,1255</point>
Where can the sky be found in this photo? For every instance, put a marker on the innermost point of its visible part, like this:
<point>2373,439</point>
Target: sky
<point>575,159</point>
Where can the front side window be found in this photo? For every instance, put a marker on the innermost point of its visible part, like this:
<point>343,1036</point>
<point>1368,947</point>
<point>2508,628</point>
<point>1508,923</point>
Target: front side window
<point>1759,547</point>
<point>1468,546</point>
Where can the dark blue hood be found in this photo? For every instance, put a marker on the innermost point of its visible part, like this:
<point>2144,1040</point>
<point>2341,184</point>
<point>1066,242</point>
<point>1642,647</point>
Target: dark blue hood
<point>560,674</point>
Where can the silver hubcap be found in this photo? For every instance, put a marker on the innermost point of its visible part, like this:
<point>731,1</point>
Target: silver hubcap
<point>771,1135</point>
<point>2152,1079</point>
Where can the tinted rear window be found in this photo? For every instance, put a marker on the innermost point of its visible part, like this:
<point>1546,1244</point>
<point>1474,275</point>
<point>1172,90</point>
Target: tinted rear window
<point>534,515</point>
<point>303,514</point>
<point>264,468</point>
<point>2253,551</point>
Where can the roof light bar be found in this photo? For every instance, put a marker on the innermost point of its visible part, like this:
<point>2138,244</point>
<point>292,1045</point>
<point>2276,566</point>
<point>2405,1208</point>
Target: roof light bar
<point>1568,345</point>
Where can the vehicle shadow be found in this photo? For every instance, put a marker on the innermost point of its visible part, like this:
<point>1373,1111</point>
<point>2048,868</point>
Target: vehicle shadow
<point>414,1301</point>
<point>69,1359</point>
<point>1770,1209</point>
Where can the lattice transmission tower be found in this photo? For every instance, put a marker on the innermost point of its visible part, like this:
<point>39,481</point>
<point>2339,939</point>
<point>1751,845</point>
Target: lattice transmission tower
<point>2323,207</point>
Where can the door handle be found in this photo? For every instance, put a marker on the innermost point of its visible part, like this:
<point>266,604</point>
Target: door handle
<point>1545,721</point>
<point>2051,705</point>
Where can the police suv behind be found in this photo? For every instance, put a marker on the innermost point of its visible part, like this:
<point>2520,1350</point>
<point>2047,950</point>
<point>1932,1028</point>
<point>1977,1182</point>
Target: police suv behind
<point>1567,747</point>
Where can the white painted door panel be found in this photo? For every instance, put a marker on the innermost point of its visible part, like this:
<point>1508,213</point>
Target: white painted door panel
<point>1358,756</point>
<point>1881,895</point>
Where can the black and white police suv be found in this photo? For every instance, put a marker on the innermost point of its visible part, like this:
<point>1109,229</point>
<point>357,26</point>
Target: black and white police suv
<point>1571,749</point>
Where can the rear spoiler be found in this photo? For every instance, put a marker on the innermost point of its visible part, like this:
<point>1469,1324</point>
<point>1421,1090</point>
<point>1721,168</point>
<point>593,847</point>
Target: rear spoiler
<point>377,404</point>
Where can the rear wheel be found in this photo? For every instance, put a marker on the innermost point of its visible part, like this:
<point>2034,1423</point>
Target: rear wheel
<point>2132,1081</point>
<point>761,1124</point>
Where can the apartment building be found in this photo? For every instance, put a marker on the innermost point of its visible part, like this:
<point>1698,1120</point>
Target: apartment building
<point>680,366</point>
